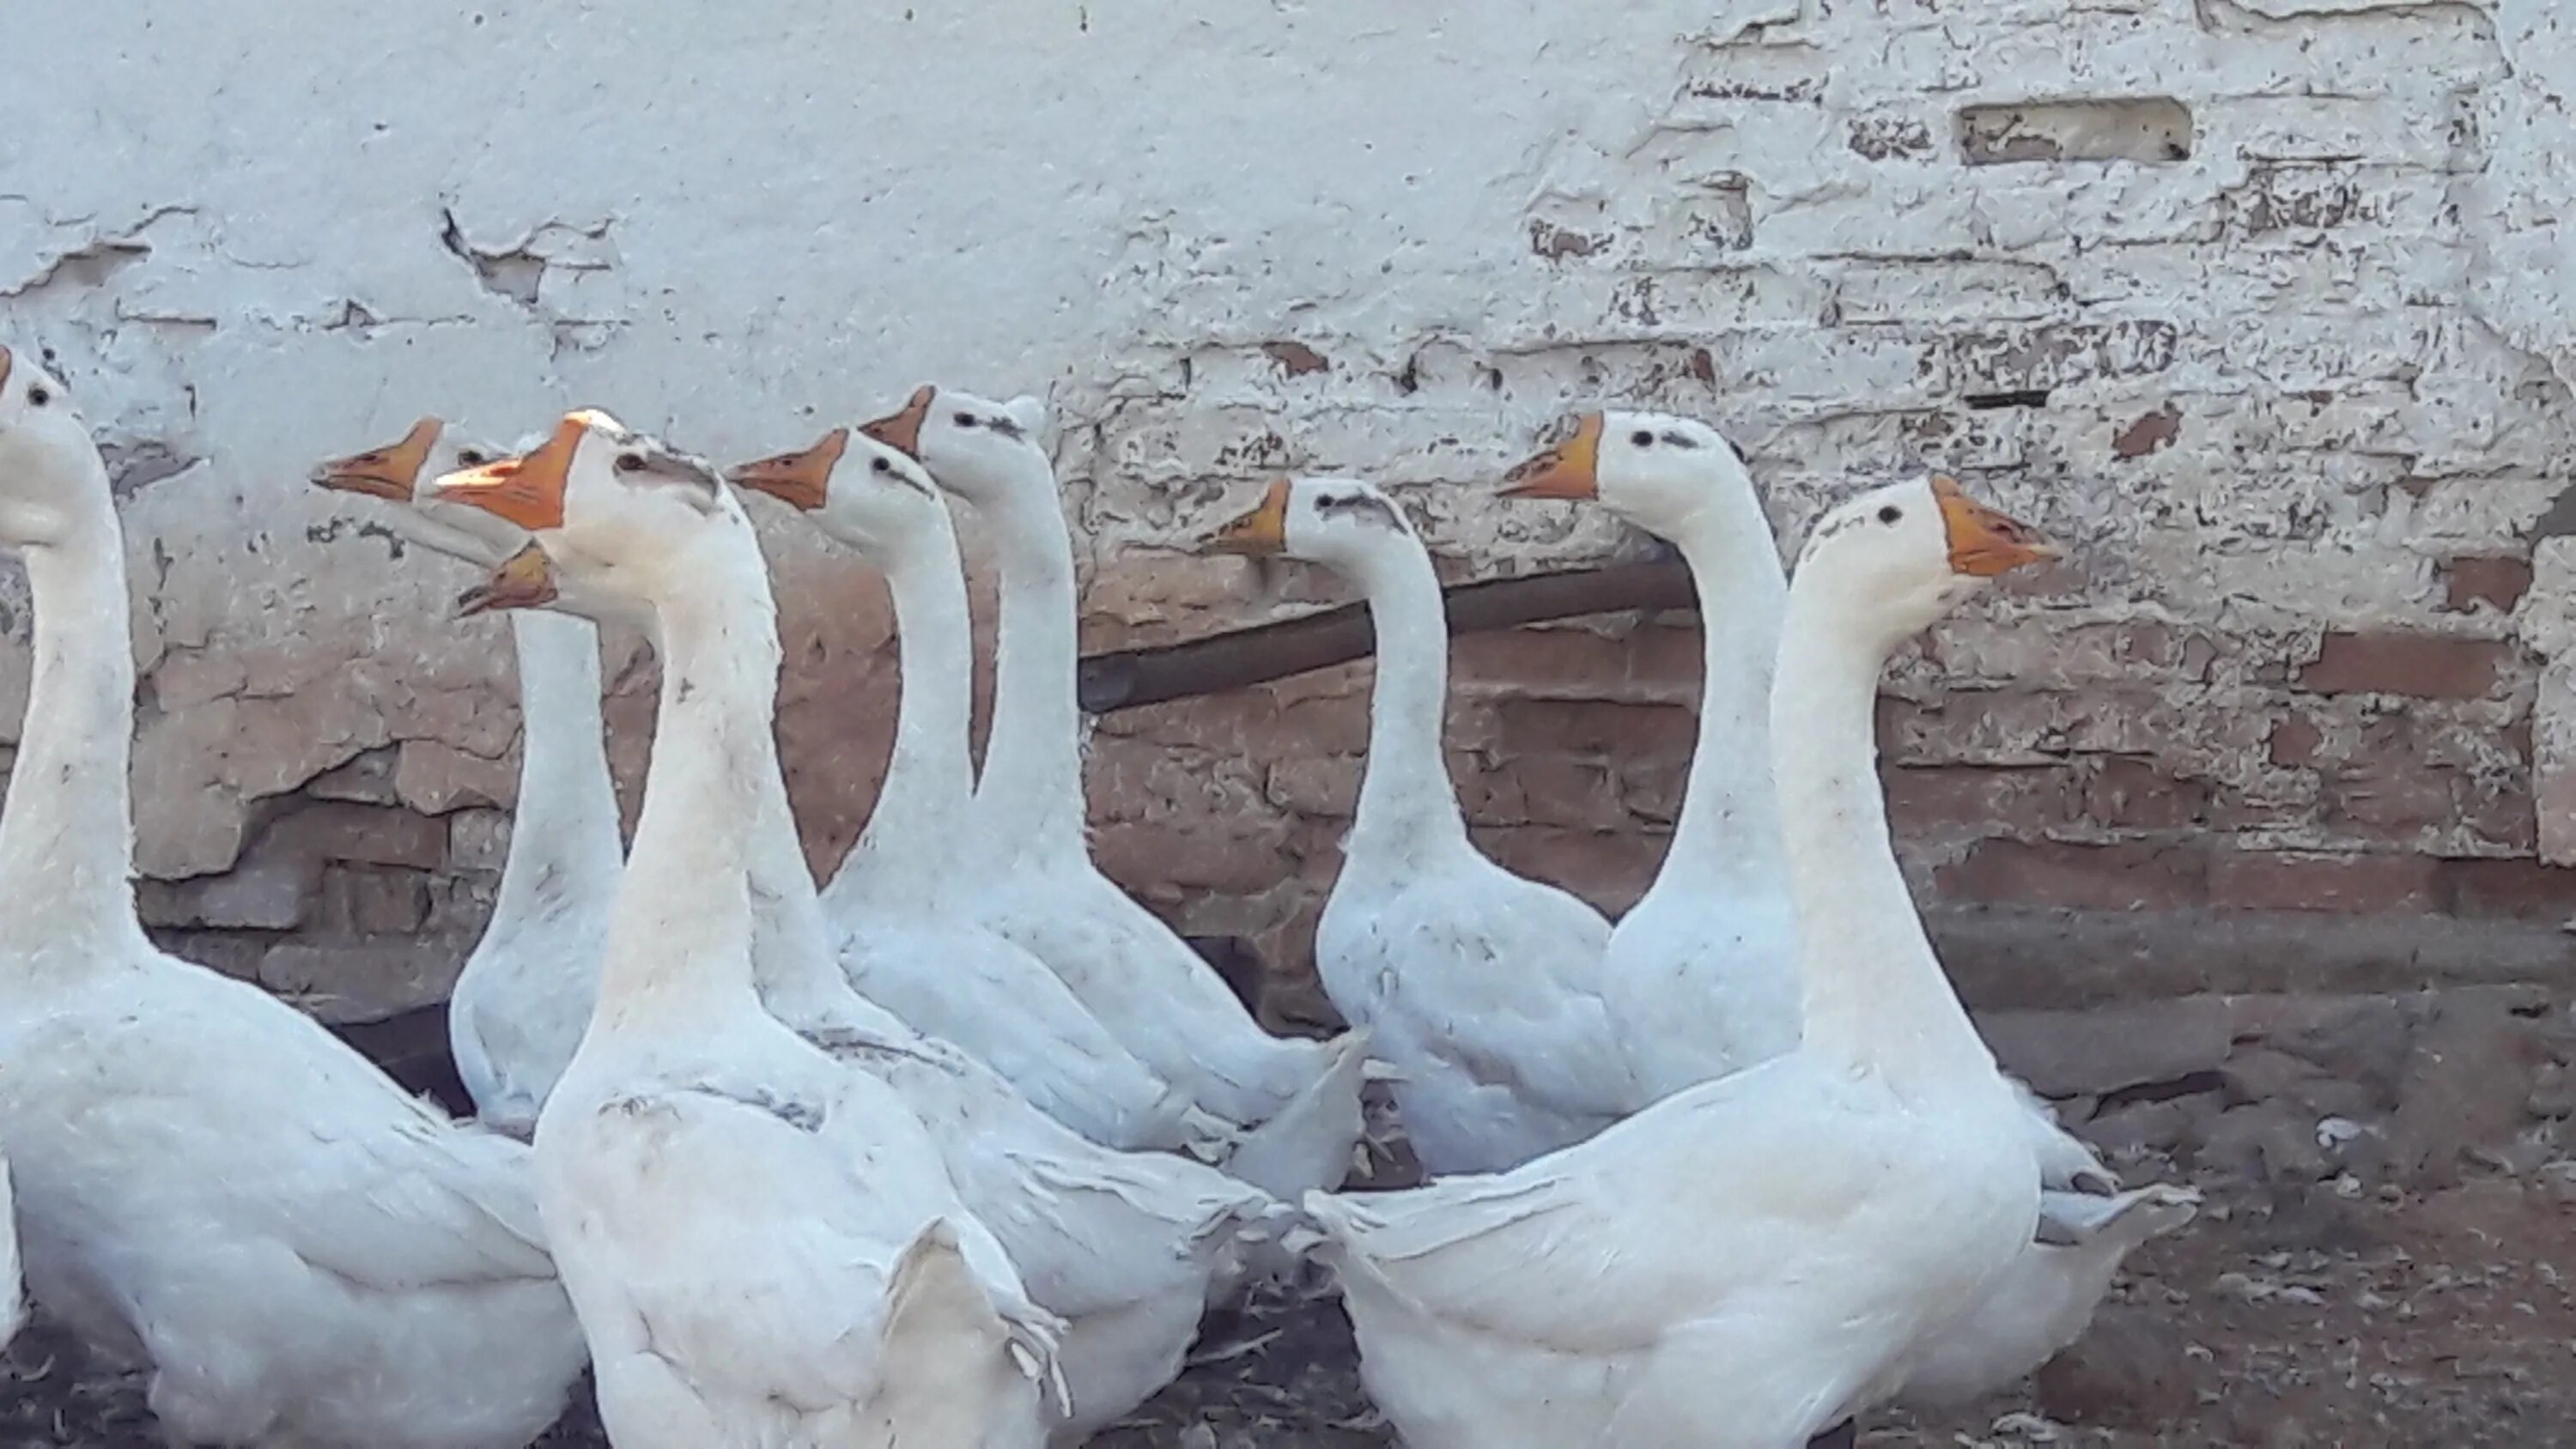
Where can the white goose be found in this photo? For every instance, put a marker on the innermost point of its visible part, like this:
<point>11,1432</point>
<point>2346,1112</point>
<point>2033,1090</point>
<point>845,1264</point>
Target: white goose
<point>1756,1258</point>
<point>1127,1250</point>
<point>1127,1247</point>
<point>909,950</point>
<point>207,1180</point>
<point>1035,882</point>
<point>1701,974</point>
<point>1481,988</point>
<point>525,994</point>
<point>764,1245</point>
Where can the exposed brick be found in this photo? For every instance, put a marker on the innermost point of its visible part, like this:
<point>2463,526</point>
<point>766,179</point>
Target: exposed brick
<point>1608,868</point>
<point>1546,663</point>
<point>1593,727</point>
<point>2294,741</point>
<point>1296,359</point>
<point>1165,862</point>
<point>1327,785</point>
<point>2121,877</point>
<point>360,834</point>
<point>2496,582</point>
<point>2013,801</point>
<point>2517,889</point>
<point>2264,880</point>
<point>380,902</point>
<point>2126,791</point>
<point>2425,666</point>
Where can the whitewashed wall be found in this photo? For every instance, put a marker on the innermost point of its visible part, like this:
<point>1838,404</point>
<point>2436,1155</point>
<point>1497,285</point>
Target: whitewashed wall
<point>2271,294</point>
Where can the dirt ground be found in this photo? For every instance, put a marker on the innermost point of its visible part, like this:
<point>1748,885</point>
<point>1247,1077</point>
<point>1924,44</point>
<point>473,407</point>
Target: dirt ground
<point>2343,1318</point>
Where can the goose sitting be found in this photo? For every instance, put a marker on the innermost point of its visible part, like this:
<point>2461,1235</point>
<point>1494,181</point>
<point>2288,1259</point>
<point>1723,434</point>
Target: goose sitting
<point>1035,882</point>
<point>1127,1249</point>
<point>525,993</point>
<point>1863,1190</point>
<point>13,1289</point>
<point>909,949</point>
<point>208,1181</point>
<point>1481,989</point>
<point>1701,975</point>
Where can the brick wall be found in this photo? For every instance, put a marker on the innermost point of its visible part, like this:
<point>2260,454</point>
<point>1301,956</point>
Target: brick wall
<point>2261,304</point>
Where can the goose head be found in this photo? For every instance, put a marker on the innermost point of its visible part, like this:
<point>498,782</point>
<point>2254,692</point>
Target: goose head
<point>984,451</point>
<point>1656,470</point>
<point>868,494</point>
<point>1341,523</point>
<point>52,482</point>
<point>1894,560</point>
<point>611,509</point>
<point>395,472</point>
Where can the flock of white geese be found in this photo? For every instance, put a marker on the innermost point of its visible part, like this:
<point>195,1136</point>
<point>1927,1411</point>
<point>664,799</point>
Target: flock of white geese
<point>957,1149</point>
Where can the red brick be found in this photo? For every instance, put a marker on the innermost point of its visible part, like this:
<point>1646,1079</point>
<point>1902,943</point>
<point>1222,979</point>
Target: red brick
<point>1540,790</point>
<point>2425,666</point>
<point>2498,582</point>
<point>1593,728</point>
<point>1324,785</point>
<point>2017,800</point>
<point>1164,863</point>
<point>2519,889</point>
<point>1608,868</point>
<point>360,834</point>
<point>2294,741</point>
<point>1550,663</point>
<point>1253,723</point>
<point>2132,792</point>
<point>2084,877</point>
<point>2270,880</point>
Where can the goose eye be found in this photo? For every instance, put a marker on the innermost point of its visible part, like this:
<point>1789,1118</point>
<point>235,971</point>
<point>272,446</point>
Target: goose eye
<point>630,462</point>
<point>471,457</point>
<point>965,420</point>
<point>38,396</point>
<point>1890,514</point>
<point>1642,438</point>
<point>880,465</point>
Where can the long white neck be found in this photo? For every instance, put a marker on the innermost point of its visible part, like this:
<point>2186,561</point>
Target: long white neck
<point>1031,790</point>
<point>679,947</point>
<point>1727,839</point>
<point>564,843</point>
<point>1875,995</point>
<point>67,831</point>
<point>1408,804</point>
<point>930,778</point>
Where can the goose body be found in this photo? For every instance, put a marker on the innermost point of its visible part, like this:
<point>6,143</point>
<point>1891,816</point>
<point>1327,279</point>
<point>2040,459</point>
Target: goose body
<point>1481,989</point>
<point>1868,1189</point>
<point>525,993</point>
<point>1129,1248</point>
<point>1700,975</point>
<point>764,1246</point>
<point>207,1181</point>
<point>1295,1101</point>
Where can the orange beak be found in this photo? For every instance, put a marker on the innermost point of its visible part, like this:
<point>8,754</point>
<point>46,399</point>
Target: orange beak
<point>1571,469</point>
<point>800,480</point>
<point>1983,542</point>
<point>1264,530</point>
<point>524,580</point>
<point>389,472</point>
<point>902,430</point>
<point>5,360</point>
<point>526,491</point>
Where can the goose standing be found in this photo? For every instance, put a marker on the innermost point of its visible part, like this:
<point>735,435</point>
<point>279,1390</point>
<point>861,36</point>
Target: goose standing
<point>1861,1191</point>
<point>1128,1250</point>
<point>1035,882</point>
<point>910,950</point>
<point>519,1005</point>
<point>1701,974</point>
<point>208,1181</point>
<point>764,1246</point>
<point>1481,988</point>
